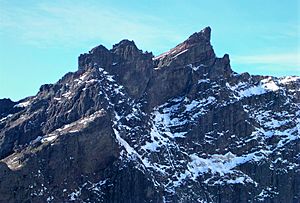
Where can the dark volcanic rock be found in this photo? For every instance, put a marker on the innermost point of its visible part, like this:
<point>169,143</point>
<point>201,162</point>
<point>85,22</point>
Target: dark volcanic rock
<point>131,66</point>
<point>8,107</point>
<point>131,127</point>
<point>5,107</point>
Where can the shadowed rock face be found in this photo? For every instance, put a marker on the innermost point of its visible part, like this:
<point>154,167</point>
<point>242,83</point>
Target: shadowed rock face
<point>125,61</point>
<point>131,127</point>
<point>7,107</point>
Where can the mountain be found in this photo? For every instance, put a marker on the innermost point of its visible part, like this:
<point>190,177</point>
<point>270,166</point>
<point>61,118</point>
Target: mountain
<point>131,127</point>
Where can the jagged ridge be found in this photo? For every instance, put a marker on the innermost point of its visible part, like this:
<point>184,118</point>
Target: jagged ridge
<point>131,127</point>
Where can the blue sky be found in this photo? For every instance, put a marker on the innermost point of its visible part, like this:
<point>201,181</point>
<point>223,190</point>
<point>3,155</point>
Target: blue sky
<point>41,40</point>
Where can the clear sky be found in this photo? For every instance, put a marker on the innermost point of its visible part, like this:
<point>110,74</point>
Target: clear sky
<point>41,40</point>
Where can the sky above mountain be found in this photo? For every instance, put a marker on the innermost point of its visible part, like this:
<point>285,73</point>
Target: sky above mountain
<point>41,40</point>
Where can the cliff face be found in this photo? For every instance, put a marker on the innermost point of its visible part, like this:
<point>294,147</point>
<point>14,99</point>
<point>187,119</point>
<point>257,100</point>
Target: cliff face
<point>131,127</point>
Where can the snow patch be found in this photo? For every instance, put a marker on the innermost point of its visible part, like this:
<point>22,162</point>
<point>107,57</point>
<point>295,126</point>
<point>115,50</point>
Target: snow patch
<point>203,81</point>
<point>246,90</point>
<point>289,79</point>
<point>23,104</point>
<point>49,138</point>
<point>221,164</point>
<point>199,103</point>
<point>5,118</point>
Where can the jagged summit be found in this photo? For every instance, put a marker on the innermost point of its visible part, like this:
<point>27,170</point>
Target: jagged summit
<point>141,73</point>
<point>196,51</point>
<point>198,42</point>
<point>125,127</point>
<point>125,43</point>
<point>98,49</point>
<point>127,50</point>
<point>199,37</point>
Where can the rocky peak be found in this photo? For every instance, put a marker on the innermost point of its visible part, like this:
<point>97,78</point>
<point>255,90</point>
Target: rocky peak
<point>99,55</point>
<point>199,37</point>
<point>192,60</point>
<point>123,52</point>
<point>125,43</point>
<point>134,69</point>
<point>130,66</point>
<point>127,50</point>
<point>98,50</point>
<point>195,50</point>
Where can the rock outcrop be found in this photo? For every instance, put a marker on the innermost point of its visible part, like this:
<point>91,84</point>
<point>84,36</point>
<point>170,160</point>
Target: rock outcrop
<point>131,127</point>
